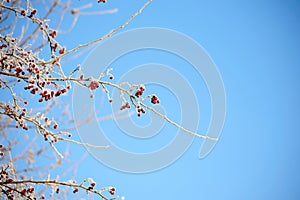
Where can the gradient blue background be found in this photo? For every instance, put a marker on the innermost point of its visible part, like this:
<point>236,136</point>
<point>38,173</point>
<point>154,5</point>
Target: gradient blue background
<point>255,45</point>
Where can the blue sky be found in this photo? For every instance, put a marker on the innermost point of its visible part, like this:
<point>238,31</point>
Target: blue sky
<point>255,45</point>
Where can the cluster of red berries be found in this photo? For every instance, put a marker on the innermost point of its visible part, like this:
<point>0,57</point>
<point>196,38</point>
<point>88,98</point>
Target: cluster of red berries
<point>34,84</point>
<point>22,114</point>
<point>7,64</point>
<point>32,13</point>
<point>103,1</point>
<point>46,134</point>
<point>94,84</point>
<point>140,110</point>
<point>32,68</point>
<point>25,191</point>
<point>92,186</point>
<point>45,94</point>
<point>154,99</point>
<point>8,61</point>
<point>53,34</point>
<point>12,111</point>
<point>5,179</point>
<point>112,190</point>
<point>139,91</point>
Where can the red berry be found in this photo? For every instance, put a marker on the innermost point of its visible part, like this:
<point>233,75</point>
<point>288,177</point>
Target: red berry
<point>142,87</point>
<point>53,34</point>
<point>93,85</point>
<point>154,99</point>
<point>112,191</point>
<point>33,12</point>
<point>23,12</point>
<point>55,126</point>
<point>58,93</point>
<point>23,192</point>
<point>62,51</point>
<point>9,180</point>
<point>138,93</point>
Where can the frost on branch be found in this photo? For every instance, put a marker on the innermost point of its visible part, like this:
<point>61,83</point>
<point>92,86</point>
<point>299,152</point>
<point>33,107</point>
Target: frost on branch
<point>33,79</point>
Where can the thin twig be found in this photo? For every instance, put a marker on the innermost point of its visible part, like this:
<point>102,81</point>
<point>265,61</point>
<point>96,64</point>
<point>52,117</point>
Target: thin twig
<point>104,37</point>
